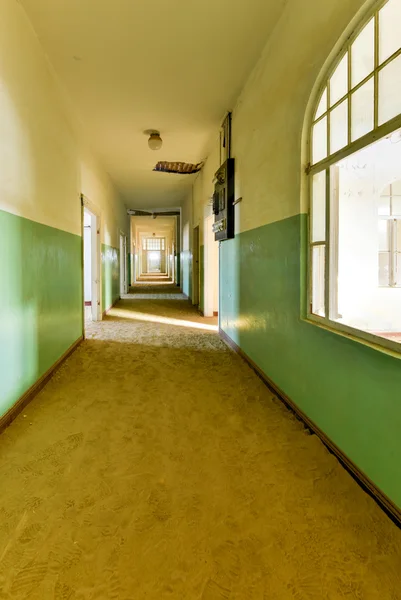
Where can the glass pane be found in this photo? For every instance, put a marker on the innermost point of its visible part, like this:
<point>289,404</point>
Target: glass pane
<point>397,269</point>
<point>339,81</point>
<point>362,54</point>
<point>384,268</point>
<point>390,90</point>
<point>396,188</point>
<point>319,140</point>
<point>386,191</point>
<point>384,206</point>
<point>339,127</point>
<point>384,237</point>
<point>318,260</point>
<point>322,108</point>
<point>362,110</point>
<point>396,207</point>
<point>389,29</point>
<point>319,207</point>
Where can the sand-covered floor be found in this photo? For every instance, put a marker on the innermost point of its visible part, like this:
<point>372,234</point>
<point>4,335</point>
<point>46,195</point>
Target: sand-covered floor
<point>156,465</point>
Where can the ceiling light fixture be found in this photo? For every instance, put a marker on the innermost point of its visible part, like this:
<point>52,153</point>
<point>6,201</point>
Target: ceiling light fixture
<point>155,142</point>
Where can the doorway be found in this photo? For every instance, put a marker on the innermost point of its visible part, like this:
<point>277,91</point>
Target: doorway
<point>91,264</point>
<point>195,266</point>
<point>211,307</point>
<point>123,265</point>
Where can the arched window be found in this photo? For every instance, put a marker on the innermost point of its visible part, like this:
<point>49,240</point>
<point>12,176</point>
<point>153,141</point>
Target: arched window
<point>355,173</point>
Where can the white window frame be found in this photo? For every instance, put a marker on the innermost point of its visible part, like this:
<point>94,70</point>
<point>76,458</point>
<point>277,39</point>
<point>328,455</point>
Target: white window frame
<point>378,132</point>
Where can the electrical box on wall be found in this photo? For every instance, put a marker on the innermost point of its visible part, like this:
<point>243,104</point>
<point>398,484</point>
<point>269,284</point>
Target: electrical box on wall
<point>223,202</point>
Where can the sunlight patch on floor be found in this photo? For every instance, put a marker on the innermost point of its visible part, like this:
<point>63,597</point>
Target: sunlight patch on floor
<point>139,316</point>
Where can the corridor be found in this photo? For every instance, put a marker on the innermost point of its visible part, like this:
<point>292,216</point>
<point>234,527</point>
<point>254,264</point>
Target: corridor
<point>155,464</point>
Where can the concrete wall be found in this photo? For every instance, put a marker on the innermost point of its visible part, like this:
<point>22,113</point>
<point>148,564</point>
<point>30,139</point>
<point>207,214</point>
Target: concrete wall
<point>45,167</point>
<point>349,390</point>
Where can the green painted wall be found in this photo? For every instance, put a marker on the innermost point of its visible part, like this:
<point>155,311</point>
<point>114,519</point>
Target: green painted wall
<point>202,278</point>
<point>110,276</point>
<point>352,392</point>
<point>40,301</point>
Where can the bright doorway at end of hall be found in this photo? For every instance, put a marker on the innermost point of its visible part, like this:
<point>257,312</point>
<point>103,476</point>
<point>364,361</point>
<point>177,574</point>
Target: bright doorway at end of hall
<point>91,257</point>
<point>211,271</point>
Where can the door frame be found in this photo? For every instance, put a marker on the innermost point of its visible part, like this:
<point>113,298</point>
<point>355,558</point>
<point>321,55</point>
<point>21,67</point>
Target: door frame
<point>96,300</point>
<point>195,266</point>
<point>123,264</point>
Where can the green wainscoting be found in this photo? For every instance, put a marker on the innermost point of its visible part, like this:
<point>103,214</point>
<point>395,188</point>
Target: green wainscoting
<point>351,391</point>
<point>110,276</point>
<point>40,301</point>
<point>202,278</point>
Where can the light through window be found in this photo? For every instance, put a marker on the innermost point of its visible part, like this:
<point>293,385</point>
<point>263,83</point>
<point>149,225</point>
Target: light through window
<point>355,173</point>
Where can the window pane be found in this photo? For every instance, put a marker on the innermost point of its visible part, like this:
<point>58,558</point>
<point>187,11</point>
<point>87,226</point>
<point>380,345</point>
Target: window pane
<point>339,81</point>
<point>362,110</point>
<point>319,140</point>
<point>389,29</point>
<point>397,253</point>
<point>384,268</point>
<point>396,207</point>
<point>384,206</point>
<point>339,127</point>
<point>396,188</point>
<point>319,207</point>
<point>322,108</point>
<point>390,90</point>
<point>362,54</point>
<point>384,235</point>
<point>318,260</point>
<point>360,254</point>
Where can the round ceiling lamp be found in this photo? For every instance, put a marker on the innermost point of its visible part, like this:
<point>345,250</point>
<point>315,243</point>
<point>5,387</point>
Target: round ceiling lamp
<point>155,142</point>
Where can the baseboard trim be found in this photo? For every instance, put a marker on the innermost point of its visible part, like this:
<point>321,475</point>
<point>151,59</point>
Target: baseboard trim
<point>30,394</point>
<point>360,477</point>
<point>110,307</point>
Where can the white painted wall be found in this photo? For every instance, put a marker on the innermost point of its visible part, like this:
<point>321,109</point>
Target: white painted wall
<point>44,162</point>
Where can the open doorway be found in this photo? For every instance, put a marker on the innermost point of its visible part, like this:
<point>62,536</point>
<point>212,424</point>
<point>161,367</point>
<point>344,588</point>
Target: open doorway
<point>123,265</point>
<point>195,266</point>
<point>91,266</point>
<point>211,302</point>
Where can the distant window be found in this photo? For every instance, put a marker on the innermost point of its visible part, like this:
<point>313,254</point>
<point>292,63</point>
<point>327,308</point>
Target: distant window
<point>153,243</point>
<point>355,175</point>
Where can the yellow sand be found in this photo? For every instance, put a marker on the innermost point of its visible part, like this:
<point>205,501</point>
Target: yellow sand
<point>156,465</point>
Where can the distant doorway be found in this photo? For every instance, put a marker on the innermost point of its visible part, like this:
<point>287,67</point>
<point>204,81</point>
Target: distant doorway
<point>91,265</point>
<point>154,262</point>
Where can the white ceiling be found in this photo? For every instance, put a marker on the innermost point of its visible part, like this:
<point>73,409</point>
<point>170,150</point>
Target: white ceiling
<point>131,65</point>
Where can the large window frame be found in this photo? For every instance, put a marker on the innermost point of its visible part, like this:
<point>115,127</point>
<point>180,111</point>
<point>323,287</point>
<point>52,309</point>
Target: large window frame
<point>325,167</point>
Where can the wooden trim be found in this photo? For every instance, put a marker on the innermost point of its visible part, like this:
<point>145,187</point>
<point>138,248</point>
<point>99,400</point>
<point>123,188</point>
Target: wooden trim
<point>391,509</point>
<point>29,395</point>
<point>110,307</point>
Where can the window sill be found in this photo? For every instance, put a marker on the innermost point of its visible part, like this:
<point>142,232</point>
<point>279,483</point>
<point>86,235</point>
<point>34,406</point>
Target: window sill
<point>374,342</point>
